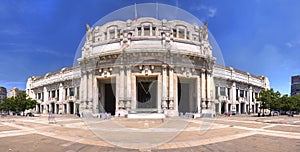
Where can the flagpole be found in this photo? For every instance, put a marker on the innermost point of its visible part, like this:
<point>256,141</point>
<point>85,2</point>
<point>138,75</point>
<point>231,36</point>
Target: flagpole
<point>156,10</point>
<point>135,12</point>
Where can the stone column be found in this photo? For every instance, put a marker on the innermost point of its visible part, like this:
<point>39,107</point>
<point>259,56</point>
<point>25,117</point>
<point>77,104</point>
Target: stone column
<point>250,98</point>
<point>164,86</point>
<point>208,87</point>
<point>95,95</point>
<point>177,32</point>
<point>226,107</point>
<point>37,108</point>
<point>55,108</point>
<point>68,108</point>
<point>203,92</point>
<point>150,30</point>
<point>46,98</point>
<point>50,107</point>
<point>122,78</point>
<point>84,88</point>
<point>198,94</point>
<point>233,92</point>
<point>171,88</point>
<point>134,100</point>
<point>128,87</point>
<point>74,108</point>
<point>218,92</point>
<point>233,97</point>
<point>142,33</point>
<point>90,87</point>
<point>159,95</point>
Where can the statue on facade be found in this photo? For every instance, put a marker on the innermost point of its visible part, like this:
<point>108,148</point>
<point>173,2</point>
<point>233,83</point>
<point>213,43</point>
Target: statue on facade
<point>205,32</point>
<point>89,34</point>
<point>200,34</point>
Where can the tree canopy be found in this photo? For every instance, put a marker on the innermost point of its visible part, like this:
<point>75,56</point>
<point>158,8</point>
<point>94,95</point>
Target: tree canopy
<point>19,103</point>
<point>274,101</point>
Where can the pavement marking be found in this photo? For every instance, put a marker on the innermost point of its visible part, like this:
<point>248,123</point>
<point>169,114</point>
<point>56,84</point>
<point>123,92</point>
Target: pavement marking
<point>269,126</point>
<point>180,144</point>
<point>293,135</point>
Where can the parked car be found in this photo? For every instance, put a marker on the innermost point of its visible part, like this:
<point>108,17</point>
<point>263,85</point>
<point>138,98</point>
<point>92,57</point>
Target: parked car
<point>276,113</point>
<point>232,112</point>
<point>29,114</point>
<point>17,113</point>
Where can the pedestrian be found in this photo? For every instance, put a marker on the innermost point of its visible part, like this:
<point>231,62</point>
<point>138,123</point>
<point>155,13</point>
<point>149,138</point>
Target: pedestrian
<point>51,118</point>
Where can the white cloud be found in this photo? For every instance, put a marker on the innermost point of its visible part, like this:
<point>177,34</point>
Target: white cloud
<point>21,48</point>
<point>212,12</point>
<point>209,11</point>
<point>292,44</point>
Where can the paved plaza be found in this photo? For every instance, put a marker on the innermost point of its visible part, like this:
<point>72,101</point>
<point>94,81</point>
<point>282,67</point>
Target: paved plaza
<point>70,134</point>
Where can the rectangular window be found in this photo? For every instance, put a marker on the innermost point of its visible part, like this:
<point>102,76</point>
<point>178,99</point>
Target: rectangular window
<point>112,34</point>
<point>66,93</point>
<point>181,33</point>
<point>242,93</point>
<point>237,94</point>
<point>146,31</point>
<point>222,91</point>
<point>72,91</point>
<point>139,31</point>
<point>188,35</point>
<point>57,95</point>
<point>77,93</point>
<point>228,93</point>
<point>42,96</point>
<point>53,94</point>
<point>216,93</point>
<point>39,95</point>
<point>105,36</point>
<point>153,31</point>
<point>174,33</point>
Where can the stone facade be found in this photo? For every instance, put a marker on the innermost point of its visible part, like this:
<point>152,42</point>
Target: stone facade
<point>148,65</point>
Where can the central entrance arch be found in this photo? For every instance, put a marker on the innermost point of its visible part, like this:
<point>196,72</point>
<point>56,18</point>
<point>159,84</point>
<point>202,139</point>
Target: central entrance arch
<point>146,92</point>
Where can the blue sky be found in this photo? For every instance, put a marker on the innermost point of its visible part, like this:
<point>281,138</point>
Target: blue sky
<point>261,37</point>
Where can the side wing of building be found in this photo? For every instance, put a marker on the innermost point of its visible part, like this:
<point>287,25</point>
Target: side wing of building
<point>236,91</point>
<point>56,92</point>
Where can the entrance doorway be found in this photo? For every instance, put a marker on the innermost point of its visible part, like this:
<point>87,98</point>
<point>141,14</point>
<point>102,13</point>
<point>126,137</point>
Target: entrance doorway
<point>229,107</point>
<point>186,95</point>
<point>146,92</point>
<point>57,108</point>
<point>71,105</point>
<point>242,107</point>
<point>110,99</point>
<point>38,108</point>
<point>106,95</point>
<point>223,106</point>
<point>52,107</point>
<point>237,107</point>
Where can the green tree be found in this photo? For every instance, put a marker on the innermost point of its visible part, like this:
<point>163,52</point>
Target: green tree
<point>19,103</point>
<point>269,99</point>
<point>23,102</point>
<point>8,104</point>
